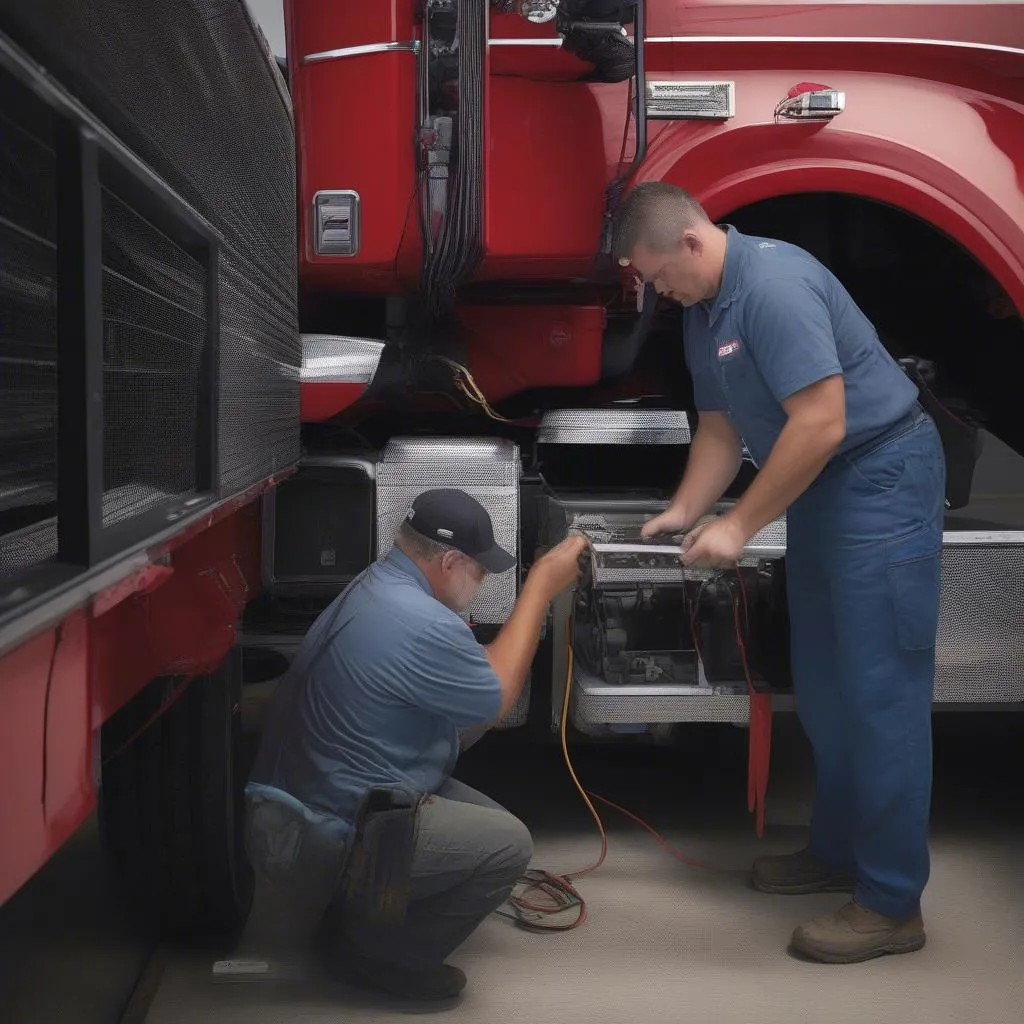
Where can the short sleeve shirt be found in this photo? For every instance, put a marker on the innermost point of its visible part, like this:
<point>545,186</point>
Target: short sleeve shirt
<point>780,323</point>
<point>377,694</point>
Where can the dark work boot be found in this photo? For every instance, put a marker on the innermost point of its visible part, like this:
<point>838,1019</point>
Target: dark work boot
<point>429,984</point>
<point>796,874</point>
<point>854,934</point>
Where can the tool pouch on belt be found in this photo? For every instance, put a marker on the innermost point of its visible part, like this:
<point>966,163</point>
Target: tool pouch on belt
<point>961,439</point>
<point>379,874</point>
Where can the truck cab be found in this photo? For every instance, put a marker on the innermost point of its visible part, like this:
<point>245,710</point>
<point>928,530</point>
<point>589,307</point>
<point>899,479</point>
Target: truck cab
<point>463,324</point>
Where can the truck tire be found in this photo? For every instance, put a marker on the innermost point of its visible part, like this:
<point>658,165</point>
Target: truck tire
<point>172,813</point>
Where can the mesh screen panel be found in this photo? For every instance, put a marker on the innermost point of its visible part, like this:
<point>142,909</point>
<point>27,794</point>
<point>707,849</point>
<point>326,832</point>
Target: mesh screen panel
<point>154,333</point>
<point>190,89</point>
<point>980,647</point>
<point>486,469</point>
<point>28,329</point>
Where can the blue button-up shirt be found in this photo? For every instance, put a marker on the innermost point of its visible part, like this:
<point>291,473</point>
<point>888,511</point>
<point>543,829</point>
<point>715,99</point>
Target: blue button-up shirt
<point>782,322</point>
<point>381,686</point>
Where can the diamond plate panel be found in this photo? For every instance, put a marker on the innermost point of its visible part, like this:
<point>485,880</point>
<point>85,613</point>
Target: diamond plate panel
<point>487,469</point>
<point>614,426</point>
<point>980,650</point>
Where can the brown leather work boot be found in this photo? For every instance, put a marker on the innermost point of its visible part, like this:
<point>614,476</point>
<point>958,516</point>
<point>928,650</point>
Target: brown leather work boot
<point>796,874</point>
<point>854,933</point>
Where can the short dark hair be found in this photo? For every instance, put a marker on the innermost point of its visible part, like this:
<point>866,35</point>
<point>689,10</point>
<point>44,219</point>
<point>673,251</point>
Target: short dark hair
<point>655,214</point>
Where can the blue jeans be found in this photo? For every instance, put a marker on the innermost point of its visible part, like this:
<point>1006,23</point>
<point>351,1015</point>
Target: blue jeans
<point>863,568</point>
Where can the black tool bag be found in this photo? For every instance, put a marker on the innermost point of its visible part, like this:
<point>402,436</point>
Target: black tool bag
<point>962,440</point>
<point>378,878</point>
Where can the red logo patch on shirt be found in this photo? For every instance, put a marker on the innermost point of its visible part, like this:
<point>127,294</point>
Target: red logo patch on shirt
<point>728,348</point>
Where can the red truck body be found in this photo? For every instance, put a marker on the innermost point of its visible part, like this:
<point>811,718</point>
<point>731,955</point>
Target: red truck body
<point>932,126</point>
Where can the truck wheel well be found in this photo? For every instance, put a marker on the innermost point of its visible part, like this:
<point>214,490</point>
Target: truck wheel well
<point>925,293</point>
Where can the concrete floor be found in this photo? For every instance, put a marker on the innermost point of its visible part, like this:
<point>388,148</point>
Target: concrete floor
<point>664,941</point>
<point>676,943</point>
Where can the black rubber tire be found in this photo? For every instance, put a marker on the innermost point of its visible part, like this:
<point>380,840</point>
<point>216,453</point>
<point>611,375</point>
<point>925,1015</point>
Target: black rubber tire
<point>172,814</point>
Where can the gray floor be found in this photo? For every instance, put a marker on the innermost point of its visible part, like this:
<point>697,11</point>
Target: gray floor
<point>672,942</point>
<point>68,951</point>
<point>664,941</point>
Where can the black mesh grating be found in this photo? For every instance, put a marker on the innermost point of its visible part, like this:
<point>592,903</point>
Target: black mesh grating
<point>190,89</point>
<point>154,334</point>
<point>28,330</point>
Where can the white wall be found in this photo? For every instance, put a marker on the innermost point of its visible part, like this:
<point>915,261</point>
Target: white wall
<point>270,15</point>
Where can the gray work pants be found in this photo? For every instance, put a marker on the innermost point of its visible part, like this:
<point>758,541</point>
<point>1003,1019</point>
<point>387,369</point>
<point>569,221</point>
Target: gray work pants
<point>469,854</point>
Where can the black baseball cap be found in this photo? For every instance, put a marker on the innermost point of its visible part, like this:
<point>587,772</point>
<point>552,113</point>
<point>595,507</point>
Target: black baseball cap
<point>454,517</point>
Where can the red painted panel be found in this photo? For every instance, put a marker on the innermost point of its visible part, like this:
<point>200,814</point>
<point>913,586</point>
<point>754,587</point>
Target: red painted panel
<point>186,625</point>
<point>994,23</point>
<point>356,122</point>
<point>69,790</point>
<point>318,25</point>
<point>44,754</point>
<point>322,400</point>
<point>967,179</point>
<point>516,348</point>
<point>176,617</point>
<point>546,178</point>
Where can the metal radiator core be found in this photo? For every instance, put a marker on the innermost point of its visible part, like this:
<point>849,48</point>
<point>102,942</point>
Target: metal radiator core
<point>485,468</point>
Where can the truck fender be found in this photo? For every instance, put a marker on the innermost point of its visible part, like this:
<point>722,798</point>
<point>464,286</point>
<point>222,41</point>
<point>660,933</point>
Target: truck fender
<point>952,156</point>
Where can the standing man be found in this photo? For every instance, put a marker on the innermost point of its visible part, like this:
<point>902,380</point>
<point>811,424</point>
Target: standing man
<point>385,681</point>
<point>783,358</point>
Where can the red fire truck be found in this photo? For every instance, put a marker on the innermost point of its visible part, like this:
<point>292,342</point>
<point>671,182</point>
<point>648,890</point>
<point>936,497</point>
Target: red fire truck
<point>251,308</point>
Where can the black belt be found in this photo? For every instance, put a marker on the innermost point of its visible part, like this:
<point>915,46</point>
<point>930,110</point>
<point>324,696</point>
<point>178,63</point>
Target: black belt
<point>379,873</point>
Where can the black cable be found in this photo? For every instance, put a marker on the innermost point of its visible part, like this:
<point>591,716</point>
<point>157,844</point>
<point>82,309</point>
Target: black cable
<point>460,239</point>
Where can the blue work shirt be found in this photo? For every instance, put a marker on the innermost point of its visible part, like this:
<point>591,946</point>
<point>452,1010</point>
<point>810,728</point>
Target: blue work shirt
<point>782,322</point>
<point>376,696</point>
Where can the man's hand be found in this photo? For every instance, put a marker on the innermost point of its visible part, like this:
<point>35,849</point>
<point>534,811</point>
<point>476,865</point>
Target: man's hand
<point>559,568</point>
<point>512,650</point>
<point>712,465</point>
<point>672,520</point>
<point>715,545</point>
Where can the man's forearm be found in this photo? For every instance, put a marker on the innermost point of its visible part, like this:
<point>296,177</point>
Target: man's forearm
<point>712,466</point>
<point>511,651</point>
<point>801,452</point>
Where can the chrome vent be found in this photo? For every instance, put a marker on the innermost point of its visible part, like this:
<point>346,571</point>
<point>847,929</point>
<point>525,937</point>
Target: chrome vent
<point>681,101</point>
<point>336,223</point>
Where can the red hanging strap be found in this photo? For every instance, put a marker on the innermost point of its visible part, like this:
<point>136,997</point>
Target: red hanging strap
<point>759,749</point>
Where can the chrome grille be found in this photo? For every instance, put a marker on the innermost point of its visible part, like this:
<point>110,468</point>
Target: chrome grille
<point>685,100</point>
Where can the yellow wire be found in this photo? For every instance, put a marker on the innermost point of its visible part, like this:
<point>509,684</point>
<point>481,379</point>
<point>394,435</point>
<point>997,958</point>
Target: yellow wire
<point>565,741</point>
<point>474,395</point>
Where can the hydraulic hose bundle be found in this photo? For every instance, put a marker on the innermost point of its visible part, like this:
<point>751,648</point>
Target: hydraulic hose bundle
<point>459,246</point>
